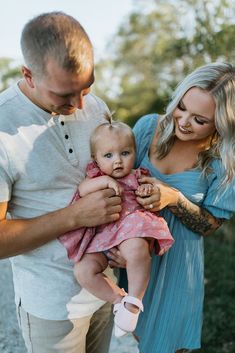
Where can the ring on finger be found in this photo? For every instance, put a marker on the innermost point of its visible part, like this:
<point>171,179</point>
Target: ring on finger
<point>151,206</point>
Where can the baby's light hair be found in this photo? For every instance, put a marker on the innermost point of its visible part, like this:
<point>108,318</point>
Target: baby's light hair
<point>109,116</point>
<point>115,127</point>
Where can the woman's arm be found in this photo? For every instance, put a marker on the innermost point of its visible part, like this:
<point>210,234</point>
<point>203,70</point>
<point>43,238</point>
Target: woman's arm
<point>89,185</point>
<point>192,216</point>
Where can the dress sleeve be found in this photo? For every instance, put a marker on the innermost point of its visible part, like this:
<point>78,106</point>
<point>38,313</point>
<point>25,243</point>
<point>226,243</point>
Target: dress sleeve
<point>219,201</point>
<point>143,131</point>
<point>139,172</point>
<point>92,170</point>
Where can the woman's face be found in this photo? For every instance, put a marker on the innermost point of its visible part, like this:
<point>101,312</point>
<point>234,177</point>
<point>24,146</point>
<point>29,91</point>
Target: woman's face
<point>194,115</point>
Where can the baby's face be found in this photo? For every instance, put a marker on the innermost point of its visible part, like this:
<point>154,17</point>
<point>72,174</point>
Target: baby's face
<point>115,154</point>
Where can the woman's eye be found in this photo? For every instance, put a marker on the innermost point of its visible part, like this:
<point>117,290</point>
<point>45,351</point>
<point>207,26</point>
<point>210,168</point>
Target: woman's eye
<point>198,121</point>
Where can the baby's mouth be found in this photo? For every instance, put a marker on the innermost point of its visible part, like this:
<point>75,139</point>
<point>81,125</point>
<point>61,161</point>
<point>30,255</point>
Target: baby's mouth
<point>118,169</point>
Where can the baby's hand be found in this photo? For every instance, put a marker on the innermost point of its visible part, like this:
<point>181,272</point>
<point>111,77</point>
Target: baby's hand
<point>113,184</point>
<point>144,190</point>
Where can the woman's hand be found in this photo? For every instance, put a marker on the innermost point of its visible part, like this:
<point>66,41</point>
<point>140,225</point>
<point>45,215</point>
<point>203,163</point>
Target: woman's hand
<point>162,195</point>
<point>191,215</point>
<point>116,260</point>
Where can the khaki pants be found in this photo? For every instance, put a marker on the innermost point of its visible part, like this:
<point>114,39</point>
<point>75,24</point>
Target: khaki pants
<point>90,334</point>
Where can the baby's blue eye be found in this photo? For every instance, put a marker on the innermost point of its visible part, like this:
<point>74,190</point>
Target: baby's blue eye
<point>108,155</point>
<point>125,153</point>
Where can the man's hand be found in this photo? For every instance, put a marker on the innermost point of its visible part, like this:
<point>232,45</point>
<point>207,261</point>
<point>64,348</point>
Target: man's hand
<point>96,208</point>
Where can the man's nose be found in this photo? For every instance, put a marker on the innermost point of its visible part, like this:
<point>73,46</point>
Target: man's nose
<point>77,101</point>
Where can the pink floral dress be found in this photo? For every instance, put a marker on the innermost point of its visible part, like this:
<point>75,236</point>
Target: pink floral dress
<point>134,222</point>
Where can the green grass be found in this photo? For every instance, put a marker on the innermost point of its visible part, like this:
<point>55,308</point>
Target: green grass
<point>219,307</point>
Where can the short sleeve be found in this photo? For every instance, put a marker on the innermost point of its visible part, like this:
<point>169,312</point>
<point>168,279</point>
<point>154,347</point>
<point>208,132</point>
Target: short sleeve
<point>144,130</point>
<point>5,176</point>
<point>92,170</point>
<point>97,106</point>
<point>219,201</point>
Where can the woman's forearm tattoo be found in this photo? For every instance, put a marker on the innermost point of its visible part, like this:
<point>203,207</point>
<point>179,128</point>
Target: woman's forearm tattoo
<point>195,218</point>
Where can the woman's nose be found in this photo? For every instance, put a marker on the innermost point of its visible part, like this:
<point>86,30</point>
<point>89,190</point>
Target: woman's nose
<point>185,120</point>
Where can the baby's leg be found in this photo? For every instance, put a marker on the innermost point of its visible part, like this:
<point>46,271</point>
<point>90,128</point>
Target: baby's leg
<point>89,273</point>
<point>138,260</point>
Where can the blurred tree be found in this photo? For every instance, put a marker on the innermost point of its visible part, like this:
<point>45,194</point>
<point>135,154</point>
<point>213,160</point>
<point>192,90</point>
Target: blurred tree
<point>228,230</point>
<point>9,73</point>
<point>156,46</point>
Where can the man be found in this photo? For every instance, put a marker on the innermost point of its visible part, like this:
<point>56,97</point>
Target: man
<point>46,121</point>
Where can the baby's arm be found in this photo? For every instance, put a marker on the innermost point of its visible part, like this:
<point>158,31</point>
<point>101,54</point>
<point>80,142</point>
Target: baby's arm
<point>144,190</point>
<point>89,185</point>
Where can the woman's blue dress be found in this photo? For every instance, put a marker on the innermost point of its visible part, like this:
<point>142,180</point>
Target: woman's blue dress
<point>173,302</point>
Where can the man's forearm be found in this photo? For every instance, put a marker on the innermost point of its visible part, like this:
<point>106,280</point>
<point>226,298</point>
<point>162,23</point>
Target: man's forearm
<point>195,218</point>
<point>21,235</point>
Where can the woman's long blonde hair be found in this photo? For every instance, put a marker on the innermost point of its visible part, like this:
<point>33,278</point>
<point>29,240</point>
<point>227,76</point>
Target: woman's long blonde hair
<point>219,80</point>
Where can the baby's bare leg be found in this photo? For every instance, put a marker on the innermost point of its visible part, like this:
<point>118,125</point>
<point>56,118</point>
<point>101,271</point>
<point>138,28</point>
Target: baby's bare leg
<point>138,260</point>
<point>89,273</point>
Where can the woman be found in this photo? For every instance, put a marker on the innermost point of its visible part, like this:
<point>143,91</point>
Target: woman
<point>190,154</point>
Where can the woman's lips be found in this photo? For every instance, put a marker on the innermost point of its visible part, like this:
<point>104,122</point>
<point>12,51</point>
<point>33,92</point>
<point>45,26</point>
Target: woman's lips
<point>183,130</point>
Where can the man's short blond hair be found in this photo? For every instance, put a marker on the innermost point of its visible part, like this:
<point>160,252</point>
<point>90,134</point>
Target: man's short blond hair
<point>58,36</point>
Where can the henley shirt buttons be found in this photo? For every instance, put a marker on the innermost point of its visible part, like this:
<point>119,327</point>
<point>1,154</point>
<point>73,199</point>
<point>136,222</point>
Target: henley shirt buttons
<point>66,136</point>
<point>70,150</point>
<point>62,122</point>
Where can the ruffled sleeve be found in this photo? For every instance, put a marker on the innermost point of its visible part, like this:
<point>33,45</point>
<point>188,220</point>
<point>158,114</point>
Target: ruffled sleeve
<point>220,202</point>
<point>92,170</point>
<point>142,172</point>
<point>144,130</point>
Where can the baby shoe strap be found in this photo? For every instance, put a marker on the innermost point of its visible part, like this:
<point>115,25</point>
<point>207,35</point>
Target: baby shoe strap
<point>133,300</point>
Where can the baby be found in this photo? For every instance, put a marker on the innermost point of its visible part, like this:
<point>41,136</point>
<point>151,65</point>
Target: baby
<point>135,234</point>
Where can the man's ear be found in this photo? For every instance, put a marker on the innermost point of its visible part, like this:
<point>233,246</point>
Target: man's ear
<point>28,76</point>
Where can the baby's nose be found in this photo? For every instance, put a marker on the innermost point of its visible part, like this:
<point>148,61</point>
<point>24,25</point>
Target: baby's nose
<point>118,160</point>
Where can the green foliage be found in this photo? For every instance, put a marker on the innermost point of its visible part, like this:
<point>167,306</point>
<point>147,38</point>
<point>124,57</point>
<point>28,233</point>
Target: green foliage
<point>219,310</point>
<point>157,46</point>
<point>9,73</point>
